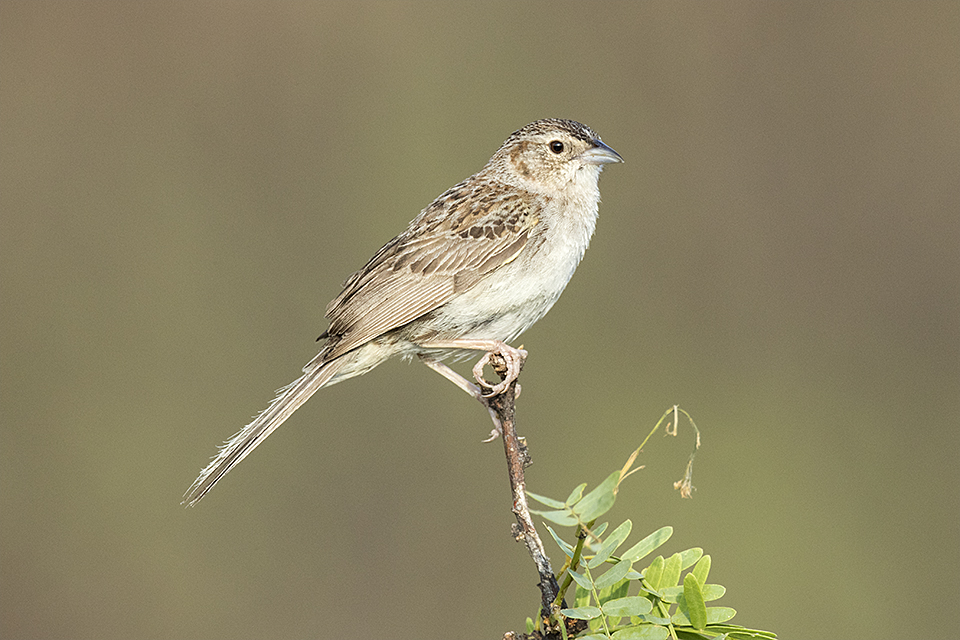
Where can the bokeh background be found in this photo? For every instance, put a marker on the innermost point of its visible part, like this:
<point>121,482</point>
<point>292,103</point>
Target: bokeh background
<point>186,184</point>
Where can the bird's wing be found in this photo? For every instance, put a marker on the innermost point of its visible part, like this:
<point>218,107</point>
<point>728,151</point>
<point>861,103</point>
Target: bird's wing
<point>466,233</point>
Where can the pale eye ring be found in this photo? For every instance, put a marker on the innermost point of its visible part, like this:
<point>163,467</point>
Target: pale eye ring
<point>556,146</point>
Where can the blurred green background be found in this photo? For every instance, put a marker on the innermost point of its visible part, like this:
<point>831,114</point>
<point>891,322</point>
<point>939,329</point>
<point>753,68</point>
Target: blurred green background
<point>186,184</point>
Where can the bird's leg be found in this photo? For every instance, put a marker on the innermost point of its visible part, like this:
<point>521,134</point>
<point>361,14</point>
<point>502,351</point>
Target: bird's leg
<point>470,388</point>
<point>513,358</point>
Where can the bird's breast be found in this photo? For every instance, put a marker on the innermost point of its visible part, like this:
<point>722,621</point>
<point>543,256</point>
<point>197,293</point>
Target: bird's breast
<point>507,301</point>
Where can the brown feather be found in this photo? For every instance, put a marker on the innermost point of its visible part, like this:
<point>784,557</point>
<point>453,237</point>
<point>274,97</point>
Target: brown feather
<point>417,272</point>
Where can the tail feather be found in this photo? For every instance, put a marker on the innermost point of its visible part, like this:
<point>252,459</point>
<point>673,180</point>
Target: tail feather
<point>240,445</point>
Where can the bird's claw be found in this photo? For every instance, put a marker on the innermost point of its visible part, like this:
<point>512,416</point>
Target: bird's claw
<point>494,434</point>
<point>512,362</point>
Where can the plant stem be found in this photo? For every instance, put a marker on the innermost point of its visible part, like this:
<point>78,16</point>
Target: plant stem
<point>504,406</point>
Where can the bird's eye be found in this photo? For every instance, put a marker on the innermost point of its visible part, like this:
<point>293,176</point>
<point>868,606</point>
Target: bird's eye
<point>556,146</point>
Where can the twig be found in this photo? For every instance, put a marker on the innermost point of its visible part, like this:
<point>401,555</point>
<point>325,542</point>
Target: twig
<point>503,405</point>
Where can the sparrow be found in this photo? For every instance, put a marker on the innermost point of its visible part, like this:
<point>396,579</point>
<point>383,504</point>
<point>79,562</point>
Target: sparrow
<point>479,266</point>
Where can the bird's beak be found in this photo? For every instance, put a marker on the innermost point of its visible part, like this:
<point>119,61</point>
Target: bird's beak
<point>600,153</point>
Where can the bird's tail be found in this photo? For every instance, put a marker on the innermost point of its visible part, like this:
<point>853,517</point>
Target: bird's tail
<point>316,375</point>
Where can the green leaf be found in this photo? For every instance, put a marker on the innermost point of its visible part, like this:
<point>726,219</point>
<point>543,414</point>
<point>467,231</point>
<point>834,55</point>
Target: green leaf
<point>715,615</point>
<point>671,571</point>
<point>562,518</point>
<point>595,624</point>
<point>693,600</point>
<point>718,615</point>
<point>614,591</point>
<point>654,573</point>
<point>713,592</point>
<point>599,500</point>
<point>710,592</point>
<point>651,593</point>
<point>671,594</point>
<point>530,626</point>
<point>629,606</point>
<point>581,597</point>
<point>689,557</point>
<point>702,570</point>
<point>613,575</point>
<point>610,545</point>
<point>581,579</point>
<point>741,632</point>
<point>648,544</point>
<point>651,619</point>
<point>566,548</point>
<point>642,632</point>
<point>582,613</point>
<point>575,495</point>
<point>550,502</point>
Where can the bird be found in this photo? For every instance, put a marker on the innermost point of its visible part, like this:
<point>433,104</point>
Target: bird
<point>474,270</point>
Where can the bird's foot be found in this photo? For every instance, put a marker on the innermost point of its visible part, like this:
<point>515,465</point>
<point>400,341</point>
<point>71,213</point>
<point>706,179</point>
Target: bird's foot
<point>506,361</point>
<point>495,433</point>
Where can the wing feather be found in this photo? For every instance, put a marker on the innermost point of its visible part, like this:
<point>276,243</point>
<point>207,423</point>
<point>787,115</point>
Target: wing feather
<point>452,244</point>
